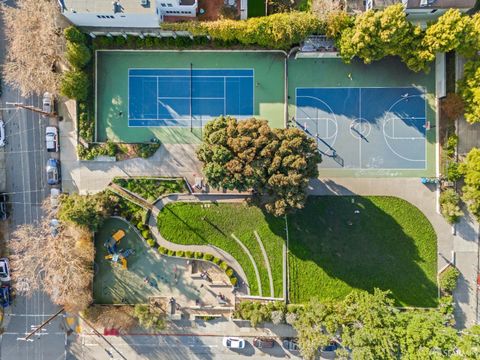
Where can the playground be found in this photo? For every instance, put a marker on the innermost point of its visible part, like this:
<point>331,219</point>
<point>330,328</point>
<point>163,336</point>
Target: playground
<point>128,271</point>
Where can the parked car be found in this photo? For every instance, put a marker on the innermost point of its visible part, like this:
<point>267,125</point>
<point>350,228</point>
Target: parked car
<point>51,138</point>
<point>53,172</point>
<point>4,270</point>
<point>47,103</point>
<point>263,342</point>
<point>233,343</point>
<point>2,134</point>
<point>5,296</point>
<point>290,344</point>
<point>332,346</point>
<point>54,195</point>
<point>3,206</point>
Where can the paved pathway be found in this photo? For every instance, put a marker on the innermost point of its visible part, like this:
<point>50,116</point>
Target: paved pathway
<point>252,260</point>
<point>267,262</point>
<point>215,251</point>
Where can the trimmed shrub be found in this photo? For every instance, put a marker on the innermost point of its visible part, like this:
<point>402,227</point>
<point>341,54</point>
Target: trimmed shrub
<point>208,257</point>
<point>233,281</point>
<point>229,272</point>
<point>189,254</point>
<point>171,253</point>
<point>216,260</point>
<point>78,54</point>
<point>448,279</point>
<point>198,255</point>
<point>223,265</point>
<point>180,253</point>
<point>141,226</point>
<point>453,172</point>
<point>151,242</point>
<point>75,85</point>
<point>146,234</point>
<point>74,35</point>
<point>162,250</point>
<point>450,205</point>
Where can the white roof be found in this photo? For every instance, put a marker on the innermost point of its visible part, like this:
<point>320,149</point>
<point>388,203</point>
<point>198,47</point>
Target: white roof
<point>105,7</point>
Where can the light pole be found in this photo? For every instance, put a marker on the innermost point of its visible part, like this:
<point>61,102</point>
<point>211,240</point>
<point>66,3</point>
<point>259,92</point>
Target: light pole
<point>32,108</point>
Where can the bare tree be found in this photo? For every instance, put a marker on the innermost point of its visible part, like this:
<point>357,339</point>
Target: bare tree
<point>56,258</point>
<point>36,44</point>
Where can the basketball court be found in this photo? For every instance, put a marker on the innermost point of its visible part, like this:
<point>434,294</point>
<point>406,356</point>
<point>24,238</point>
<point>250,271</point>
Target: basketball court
<point>365,127</point>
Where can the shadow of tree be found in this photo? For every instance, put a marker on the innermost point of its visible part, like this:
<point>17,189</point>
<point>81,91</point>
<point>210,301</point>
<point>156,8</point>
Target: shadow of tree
<point>341,243</point>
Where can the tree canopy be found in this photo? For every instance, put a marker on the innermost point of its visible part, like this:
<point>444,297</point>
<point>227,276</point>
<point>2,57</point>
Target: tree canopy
<point>248,154</point>
<point>470,168</point>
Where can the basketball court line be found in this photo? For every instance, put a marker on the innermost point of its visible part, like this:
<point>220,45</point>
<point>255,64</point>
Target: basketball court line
<point>386,136</point>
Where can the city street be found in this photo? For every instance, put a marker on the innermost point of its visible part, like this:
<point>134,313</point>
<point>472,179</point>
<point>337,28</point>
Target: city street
<point>25,160</point>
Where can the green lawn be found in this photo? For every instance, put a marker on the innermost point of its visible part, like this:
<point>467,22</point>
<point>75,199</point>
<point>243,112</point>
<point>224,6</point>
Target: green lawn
<point>256,8</point>
<point>187,223</point>
<point>389,245</point>
<point>150,188</point>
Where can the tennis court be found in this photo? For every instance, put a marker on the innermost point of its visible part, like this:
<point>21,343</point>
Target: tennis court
<point>188,97</point>
<point>366,127</point>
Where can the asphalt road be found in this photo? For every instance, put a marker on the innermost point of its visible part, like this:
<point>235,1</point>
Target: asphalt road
<point>25,158</point>
<point>171,348</point>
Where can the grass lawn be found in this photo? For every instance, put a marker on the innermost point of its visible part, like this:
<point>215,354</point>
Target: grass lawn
<point>186,223</point>
<point>150,188</point>
<point>256,8</point>
<point>389,244</point>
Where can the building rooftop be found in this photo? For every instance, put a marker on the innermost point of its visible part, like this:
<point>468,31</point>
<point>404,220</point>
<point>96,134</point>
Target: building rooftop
<point>441,4</point>
<point>108,7</point>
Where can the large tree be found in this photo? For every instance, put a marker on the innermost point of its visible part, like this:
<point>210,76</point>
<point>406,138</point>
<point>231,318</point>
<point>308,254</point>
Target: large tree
<point>469,90</point>
<point>35,47</point>
<point>471,190</point>
<point>56,258</point>
<point>248,154</point>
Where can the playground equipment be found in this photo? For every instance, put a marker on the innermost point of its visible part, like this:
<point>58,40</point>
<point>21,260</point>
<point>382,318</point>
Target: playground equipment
<point>114,254</point>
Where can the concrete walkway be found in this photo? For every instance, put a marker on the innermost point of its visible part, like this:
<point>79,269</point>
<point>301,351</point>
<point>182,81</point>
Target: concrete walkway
<point>464,244</point>
<point>211,249</point>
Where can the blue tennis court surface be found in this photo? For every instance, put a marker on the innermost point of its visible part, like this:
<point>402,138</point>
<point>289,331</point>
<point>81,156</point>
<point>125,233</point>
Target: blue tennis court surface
<point>186,97</point>
<point>365,128</point>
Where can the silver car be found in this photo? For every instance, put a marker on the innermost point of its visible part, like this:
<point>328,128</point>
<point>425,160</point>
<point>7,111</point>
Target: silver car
<point>2,134</point>
<point>4,270</point>
<point>47,103</point>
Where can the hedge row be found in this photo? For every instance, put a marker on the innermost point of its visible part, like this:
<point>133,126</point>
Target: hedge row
<point>202,256</point>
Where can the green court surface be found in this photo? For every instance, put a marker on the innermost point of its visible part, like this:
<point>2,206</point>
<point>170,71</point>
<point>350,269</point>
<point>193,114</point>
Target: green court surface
<point>112,94</point>
<point>337,116</point>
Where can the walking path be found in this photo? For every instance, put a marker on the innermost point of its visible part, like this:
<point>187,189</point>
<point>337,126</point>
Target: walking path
<point>243,286</point>
<point>464,244</point>
<point>252,260</point>
<point>267,263</point>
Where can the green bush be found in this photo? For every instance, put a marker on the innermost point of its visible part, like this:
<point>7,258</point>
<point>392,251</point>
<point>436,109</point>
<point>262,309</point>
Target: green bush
<point>448,279</point>
<point>141,226</point>
<point>208,257</point>
<point>151,242</point>
<point>73,34</point>
<point>278,31</point>
<point>198,255</point>
<point>180,253</point>
<point>189,254</point>
<point>171,253</point>
<point>223,265</point>
<point>451,146</point>
<point>453,172</point>
<point>75,85</point>
<point>78,54</point>
<point>146,234</point>
<point>233,281</point>
<point>85,122</point>
<point>229,272</point>
<point>450,205</point>
<point>216,260</point>
<point>162,250</point>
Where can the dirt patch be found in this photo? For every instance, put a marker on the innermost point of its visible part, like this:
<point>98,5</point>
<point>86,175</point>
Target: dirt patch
<point>210,10</point>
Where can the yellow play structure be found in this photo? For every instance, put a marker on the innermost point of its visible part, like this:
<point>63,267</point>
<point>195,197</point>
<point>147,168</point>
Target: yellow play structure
<point>114,254</point>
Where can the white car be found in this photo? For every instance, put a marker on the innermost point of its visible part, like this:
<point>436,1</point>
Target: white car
<point>54,195</point>
<point>4,270</point>
<point>233,343</point>
<point>51,138</point>
<point>47,103</point>
<point>2,134</point>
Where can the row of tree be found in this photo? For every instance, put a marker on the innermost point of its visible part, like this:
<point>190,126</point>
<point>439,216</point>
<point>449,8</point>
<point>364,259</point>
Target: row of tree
<point>249,155</point>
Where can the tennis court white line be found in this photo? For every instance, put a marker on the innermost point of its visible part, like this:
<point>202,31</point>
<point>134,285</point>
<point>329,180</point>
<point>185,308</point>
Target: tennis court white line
<point>193,76</point>
<point>188,98</point>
